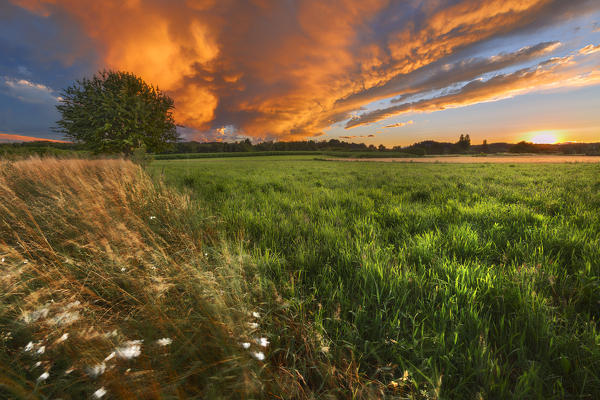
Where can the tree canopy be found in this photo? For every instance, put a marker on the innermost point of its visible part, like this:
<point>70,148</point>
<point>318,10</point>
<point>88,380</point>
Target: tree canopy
<point>117,112</point>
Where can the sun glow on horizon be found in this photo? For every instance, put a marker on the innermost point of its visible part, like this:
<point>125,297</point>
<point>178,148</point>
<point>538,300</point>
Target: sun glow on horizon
<point>544,137</point>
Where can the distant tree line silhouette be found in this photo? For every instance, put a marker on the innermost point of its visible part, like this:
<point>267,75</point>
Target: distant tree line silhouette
<point>427,147</point>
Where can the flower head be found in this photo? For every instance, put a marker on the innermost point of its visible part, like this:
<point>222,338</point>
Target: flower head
<point>132,349</point>
<point>98,394</point>
<point>43,376</point>
<point>264,342</point>
<point>164,341</point>
<point>96,370</point>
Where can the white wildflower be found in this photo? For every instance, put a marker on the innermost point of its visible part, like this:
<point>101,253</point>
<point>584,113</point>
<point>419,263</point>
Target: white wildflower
<point>65,318</point>
<point>111,334</point>
<point>61,339</point>
<point>33,316</point>
<point>72,304</point>
<point>98,394</point>
<point>152,217</point>
<point>96,370</point>
<point>246,345</point>
<point>123,269</point>
<point>259,355</point>
<point>2,259</point>
<point>253,325</point>
<point>264,342</point>
<point>164,341</point>
<point>110,356</point>
<point>255,314</point>
<point>41,350</point>
<point>43,376</point>
<point>25,261</point>
<point>37,364</point>
<point>131,349</point>
<point>29,346</point>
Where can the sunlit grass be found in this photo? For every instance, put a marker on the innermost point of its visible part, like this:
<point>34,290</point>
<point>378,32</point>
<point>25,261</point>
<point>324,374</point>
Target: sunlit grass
<point>470,281</point>
<point>296,278</point>
<point>114,286</point>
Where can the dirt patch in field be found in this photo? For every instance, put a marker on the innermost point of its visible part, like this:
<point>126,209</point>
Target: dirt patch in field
<point>488,159</point>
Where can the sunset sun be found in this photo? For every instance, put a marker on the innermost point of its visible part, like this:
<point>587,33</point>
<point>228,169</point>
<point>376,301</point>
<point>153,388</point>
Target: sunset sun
<point>544,137</point>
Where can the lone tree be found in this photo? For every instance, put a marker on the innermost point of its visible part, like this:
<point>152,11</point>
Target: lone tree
<point>117,112</point>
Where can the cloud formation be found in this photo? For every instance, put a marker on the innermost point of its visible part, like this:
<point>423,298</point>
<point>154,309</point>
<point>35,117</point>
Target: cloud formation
<point>290,69</point>
<point>11,138</point>
<point>400,124</point>
<point>590,49</point>
<point>357,137</point>
<point>28,92</point>
<point>553,73</point>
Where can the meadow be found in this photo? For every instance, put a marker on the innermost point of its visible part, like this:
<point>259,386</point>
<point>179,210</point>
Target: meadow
<point>478,280</point>
<point>291,277</point>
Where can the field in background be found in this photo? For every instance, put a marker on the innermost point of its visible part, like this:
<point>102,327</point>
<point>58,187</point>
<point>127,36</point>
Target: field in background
<point>289,277</point>
<point>290,153</point>
<point>488,159</point>
<point>471,281</point>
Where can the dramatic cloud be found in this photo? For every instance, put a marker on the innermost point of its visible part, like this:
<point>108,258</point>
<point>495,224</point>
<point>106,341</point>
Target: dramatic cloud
<point>439,75</point>
<point>553,73</point>
<point>290,69</point>
<point>399,124</point>
<point>28,92</point>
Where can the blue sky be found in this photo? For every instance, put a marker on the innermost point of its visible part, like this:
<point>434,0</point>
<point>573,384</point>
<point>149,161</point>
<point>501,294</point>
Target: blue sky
<point>501,71</point>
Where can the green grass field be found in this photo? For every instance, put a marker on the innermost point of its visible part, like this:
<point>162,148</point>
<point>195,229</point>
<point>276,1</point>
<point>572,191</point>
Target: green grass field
<point>254,154</point>
<point>288,277</point>
<point>478,280</point>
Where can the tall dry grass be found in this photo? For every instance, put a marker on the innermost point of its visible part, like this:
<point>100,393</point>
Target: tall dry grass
<point>114,286</point>
<point>98,259</point>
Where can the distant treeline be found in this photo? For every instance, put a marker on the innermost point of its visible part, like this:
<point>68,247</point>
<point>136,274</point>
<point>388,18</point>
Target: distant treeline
<point>330,147</point>
<point>428,147</point>
<point>42,148</point>
<point>247,145</point>
<point>431,147</point>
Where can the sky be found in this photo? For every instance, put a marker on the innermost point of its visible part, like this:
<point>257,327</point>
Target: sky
<point>372,71</point>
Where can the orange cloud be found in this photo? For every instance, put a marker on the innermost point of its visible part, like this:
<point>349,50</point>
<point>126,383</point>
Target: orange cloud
<point>357,137</point>
<point>9,137</point>
<point>400,124</point>
<point>290,69</point>
<point>547,75</point>
<point>590,49</point>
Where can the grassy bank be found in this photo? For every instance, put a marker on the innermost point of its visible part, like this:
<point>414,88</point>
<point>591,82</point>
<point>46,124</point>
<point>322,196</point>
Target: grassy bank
<point>470,281</point>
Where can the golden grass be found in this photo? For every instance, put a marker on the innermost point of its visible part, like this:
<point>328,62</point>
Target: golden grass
<point>99,262</point>
<point>95,250</point>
